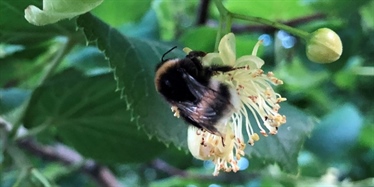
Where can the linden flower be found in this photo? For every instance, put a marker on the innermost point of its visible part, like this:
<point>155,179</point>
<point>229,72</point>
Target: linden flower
<point>254,89</point>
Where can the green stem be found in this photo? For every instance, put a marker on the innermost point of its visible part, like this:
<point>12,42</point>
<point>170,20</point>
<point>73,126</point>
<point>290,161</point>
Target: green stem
<point>365,71</point>
<point>40,177</point>
<point>224,25</point>
<point>294,31</point>
<point>226,16</point>
<point>221,9</point>
<point>50,70</point>
<point>21,161</point>
<point>21,177</point>
<point>219,34</point>
<point>34,131</point>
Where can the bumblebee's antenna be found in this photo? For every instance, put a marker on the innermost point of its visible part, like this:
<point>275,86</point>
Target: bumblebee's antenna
<point>162,58</point>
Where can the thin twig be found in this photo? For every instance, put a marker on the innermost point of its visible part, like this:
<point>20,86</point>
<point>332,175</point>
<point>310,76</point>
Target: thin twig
<point>269,29</point>
<point>238,178</point>
<point>202,15</point>
<point>63,154</point>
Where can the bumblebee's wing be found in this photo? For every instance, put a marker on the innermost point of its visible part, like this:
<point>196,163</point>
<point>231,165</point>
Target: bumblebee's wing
<point>203,118</point>
<point>196,88</point>
<point>209,108</point>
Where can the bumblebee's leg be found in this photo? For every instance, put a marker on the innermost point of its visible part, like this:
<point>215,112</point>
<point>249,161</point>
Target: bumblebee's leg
<point>223,69</point>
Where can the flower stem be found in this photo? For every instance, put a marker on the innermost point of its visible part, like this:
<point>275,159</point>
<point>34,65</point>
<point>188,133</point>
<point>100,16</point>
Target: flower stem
<point>226,17</point>
<point>42,179</point>
<point>224,22</point>
<point>294,31</point>
<point>365,71</point>
<point>50,70</point>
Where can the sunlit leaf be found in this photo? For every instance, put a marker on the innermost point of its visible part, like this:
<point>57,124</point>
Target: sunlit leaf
<point>116,13</point>
<point>192,38</point>
<point>274,10</point>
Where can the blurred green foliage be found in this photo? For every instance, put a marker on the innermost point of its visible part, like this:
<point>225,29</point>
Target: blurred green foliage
<point>132,130</point>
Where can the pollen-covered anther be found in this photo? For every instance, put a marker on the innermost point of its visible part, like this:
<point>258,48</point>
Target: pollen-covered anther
<point>257,73</point>
<point>281,99</point>
<point>270,74</point>
<point>273,132</point>
<point>251,142</point>
<point>276,80</point>
<point>253,98</point>
<point>255,137</point>
<point>175,110</point>
<point>238,155</point>
<point>276,107</point>
<point>268,93</point>
<point>264,133</point>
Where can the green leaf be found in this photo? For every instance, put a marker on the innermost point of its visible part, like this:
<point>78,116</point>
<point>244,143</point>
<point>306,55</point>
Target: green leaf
<point>284,147</point>
<point>88,115</point>
<point>366,136</point>
<point>3,139</point>
<point>192,38</point>
<point>274,10</point>
<point>298,78</point>
<point>340,128</point>
<point>116,13</point>
<point>7,50</point>
<point>12,98</point>
<point>134,61</point>
<point>89,60</point>
<point>147,27</point>
<point>367,16</point>
<point>174,17</point>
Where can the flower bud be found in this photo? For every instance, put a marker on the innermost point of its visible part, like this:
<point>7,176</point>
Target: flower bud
<point>324,46</point>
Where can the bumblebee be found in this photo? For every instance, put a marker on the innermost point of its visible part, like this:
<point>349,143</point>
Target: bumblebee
<point>194,94</point>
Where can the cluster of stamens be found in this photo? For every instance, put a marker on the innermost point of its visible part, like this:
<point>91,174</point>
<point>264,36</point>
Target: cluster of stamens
<point>223,151</point>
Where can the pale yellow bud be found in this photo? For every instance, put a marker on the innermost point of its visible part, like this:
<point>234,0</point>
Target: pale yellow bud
<point>324,46</point>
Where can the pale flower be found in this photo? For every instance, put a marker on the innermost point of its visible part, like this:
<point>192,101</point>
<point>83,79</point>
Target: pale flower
<point>56,10</point>
<point>254,89</point>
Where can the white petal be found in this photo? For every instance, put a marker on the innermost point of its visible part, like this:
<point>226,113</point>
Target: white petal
<point>194,144</point>
<point>55,10</point>
<point>227,49</point>
<point>253,62</point>
<point>212,58</point>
